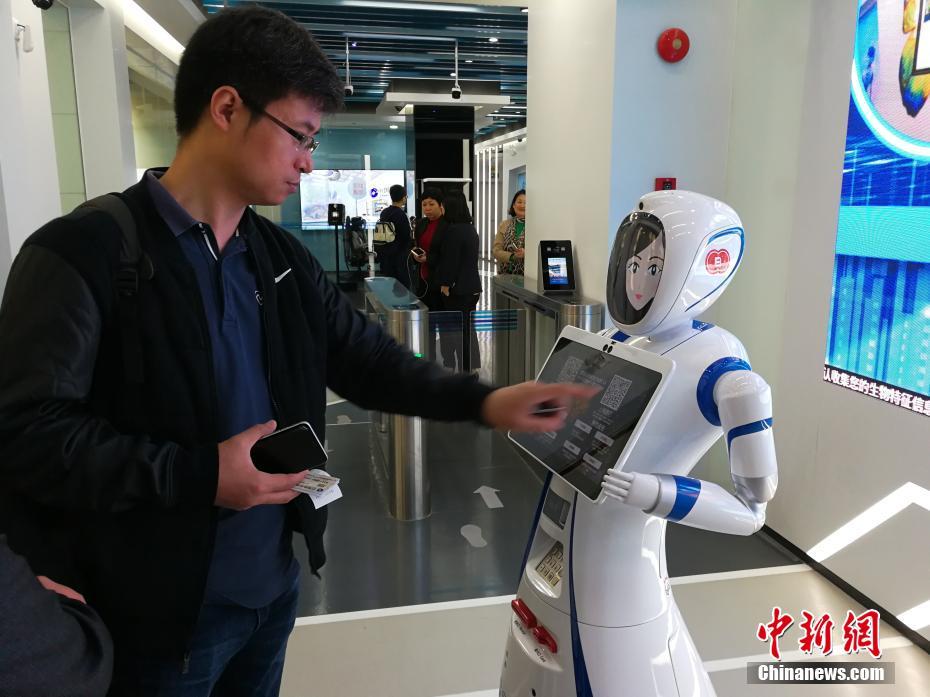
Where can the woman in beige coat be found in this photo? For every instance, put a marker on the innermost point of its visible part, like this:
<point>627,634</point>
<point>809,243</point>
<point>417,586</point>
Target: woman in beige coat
<point>508,242</point>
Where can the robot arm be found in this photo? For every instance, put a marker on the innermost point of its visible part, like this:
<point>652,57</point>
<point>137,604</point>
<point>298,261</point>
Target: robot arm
<point>745,409</point>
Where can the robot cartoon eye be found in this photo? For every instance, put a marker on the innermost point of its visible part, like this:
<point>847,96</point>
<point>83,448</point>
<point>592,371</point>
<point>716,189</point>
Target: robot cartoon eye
<point>633,266</point>
<point>654,269</point>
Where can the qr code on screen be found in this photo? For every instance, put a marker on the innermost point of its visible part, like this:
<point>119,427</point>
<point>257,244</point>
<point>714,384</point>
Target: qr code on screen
<point>570,370</point>
<point>616,391</point>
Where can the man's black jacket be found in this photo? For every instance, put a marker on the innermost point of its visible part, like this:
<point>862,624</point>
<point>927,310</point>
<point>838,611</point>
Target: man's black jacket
<point>108,485</point>
<point>402,237</point>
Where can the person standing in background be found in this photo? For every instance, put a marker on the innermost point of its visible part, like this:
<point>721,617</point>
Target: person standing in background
<point>453,261</point>
<point>393,256</point>
<point>509,240</point>
<point>429,228</point>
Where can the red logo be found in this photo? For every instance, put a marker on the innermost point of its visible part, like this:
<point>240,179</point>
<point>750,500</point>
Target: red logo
<point>773,630</point>
<point>860,633</point>
<point>717,261</point>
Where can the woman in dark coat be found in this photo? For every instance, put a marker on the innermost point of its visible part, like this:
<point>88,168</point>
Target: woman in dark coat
<point>453,264</point>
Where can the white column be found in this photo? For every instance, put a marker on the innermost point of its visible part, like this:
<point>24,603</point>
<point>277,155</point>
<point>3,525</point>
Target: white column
<point>607,116</point>
<point>28,170</point>
<point>487,191</point>
<point>101,77</point>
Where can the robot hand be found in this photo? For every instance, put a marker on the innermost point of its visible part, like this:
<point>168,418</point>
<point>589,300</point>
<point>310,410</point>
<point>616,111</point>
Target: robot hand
<point>634,489</point>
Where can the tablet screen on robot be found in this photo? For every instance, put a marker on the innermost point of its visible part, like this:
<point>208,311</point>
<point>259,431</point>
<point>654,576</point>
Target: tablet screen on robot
<point>595,434</point>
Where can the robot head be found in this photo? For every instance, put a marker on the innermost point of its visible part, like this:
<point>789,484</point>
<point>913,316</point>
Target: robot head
<point>671,259</point>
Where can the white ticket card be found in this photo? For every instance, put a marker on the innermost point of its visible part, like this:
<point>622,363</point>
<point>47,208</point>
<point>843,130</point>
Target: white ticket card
<point>321,487</point>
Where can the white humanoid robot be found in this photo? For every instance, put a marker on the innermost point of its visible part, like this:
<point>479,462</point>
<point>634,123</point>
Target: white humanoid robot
<point>594,614</point>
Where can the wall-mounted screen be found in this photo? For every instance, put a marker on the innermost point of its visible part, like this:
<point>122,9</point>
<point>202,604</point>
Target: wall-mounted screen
<point>878,340</point>
<point>363,192</point>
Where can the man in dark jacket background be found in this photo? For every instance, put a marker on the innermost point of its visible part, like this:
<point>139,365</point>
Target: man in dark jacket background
<point>129,405</point>
<point>51,643</point>
<point>394,256</point>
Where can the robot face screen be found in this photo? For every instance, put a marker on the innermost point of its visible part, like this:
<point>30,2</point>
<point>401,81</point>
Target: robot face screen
<point>636,263</point>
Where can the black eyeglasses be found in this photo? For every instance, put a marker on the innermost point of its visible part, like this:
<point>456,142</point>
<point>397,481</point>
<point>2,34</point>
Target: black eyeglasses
<point>304,142</point>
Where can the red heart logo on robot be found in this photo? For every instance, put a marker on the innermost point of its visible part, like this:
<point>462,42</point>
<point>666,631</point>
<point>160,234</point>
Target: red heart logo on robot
<point>717,261</point>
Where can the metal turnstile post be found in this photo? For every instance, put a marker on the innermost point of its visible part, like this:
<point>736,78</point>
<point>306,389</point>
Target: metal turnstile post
<point>546,316</point>
<point>407,320</point>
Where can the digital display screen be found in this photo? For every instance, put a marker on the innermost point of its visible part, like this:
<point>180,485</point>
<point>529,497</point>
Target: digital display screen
<point>594,434</point>
<point>557,264</point>
<point>558,271</point>
<point>364,193</point>
<point>878,338</point>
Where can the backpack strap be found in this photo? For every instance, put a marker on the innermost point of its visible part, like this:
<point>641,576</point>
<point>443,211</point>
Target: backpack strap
<point>134,263</point>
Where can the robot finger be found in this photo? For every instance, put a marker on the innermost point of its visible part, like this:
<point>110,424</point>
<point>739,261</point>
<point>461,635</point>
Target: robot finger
<point>616,491</point>
<point>616,477</point>
<point>619,475</point>
<point>614,496</point>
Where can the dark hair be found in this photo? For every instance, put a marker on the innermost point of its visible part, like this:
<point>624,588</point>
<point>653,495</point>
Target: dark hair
<point>510,211</point>
<point>397,193</point>
<point>456,208</point>
<point>434,194</point>
<point>637,231</point>
<point>262,53</point>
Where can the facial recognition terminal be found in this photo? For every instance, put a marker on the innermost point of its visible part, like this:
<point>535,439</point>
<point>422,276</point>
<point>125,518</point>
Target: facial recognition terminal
<point>557,264</point>
<point>596,434</point>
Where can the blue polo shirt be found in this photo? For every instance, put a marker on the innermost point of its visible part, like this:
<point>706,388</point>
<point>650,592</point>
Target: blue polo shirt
<point>252,562</point>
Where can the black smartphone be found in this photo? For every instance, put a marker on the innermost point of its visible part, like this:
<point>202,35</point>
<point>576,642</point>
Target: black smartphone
<point>288,450</point>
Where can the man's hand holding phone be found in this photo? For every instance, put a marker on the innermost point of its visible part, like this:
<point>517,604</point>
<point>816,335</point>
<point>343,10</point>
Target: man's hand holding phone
<point>418,254</point>
<point>240,485</point>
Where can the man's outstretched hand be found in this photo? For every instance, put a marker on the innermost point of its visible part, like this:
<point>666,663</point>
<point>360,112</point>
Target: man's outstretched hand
<point>533,407</point>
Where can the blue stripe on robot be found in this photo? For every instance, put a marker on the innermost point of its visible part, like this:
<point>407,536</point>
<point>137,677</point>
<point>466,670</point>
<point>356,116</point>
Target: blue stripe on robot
<point>620,336</point>
<point>539,508</point>
<point>747,429</point>
<point>701,326</point>
<point>582,682</point>
<point>705,386</point>
<point>686,496</point>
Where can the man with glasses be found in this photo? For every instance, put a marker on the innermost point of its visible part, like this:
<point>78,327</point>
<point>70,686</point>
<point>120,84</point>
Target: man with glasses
<point>130,398</point>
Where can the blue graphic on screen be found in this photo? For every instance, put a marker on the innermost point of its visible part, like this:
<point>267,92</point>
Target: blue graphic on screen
<point>878,341</point>
<point>558,271</point>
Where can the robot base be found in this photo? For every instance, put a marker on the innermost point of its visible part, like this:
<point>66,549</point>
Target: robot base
<point>655,659</point>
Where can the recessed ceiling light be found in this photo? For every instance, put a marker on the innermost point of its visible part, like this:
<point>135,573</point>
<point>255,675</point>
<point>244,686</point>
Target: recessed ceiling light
<point>493,39</point>
<point>469,61</point>
<point>451,74</point>
<point>525,10</point>
<point>393,126</point>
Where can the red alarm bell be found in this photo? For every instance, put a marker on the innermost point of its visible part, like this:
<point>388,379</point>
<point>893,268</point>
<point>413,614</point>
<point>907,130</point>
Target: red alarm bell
<point>673,44</point>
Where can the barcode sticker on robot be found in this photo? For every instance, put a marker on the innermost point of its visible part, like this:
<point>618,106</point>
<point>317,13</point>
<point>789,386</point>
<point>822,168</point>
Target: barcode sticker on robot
<point>550,568</point>
<point>616,391</point>
<point>570,370</point>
